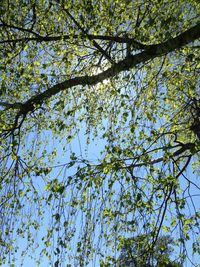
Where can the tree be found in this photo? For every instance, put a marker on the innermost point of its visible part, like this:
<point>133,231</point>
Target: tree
<point>121,73</point>
<point>135,252</point>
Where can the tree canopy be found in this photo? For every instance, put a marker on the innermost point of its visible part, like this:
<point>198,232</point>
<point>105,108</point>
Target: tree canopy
<point>135,252</point>
<point>121,74</point>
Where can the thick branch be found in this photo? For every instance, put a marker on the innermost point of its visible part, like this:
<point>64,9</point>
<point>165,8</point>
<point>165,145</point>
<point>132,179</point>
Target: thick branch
<point>124,65</point>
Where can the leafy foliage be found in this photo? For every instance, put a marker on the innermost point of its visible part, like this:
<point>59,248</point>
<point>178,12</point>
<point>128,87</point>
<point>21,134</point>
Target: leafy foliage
<point>120,74</point>
<point>135,252</point>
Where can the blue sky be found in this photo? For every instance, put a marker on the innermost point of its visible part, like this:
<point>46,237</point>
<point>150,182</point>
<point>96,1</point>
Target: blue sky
<point>92,152</point>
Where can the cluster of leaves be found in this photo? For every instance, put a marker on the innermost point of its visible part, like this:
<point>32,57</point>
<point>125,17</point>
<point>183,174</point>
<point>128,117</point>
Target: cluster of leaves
<point>123,74</point>
<point>135,252</point>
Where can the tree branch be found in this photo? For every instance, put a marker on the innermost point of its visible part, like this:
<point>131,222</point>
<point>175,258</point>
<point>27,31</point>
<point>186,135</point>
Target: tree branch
<point>129,62</point>
<point>115,39</point>
<point>99,48</point>
<point>18,28</point>
<point>16,105</point>
<point>185,147</point>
